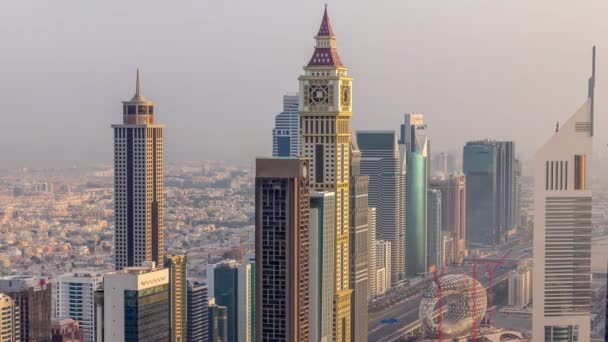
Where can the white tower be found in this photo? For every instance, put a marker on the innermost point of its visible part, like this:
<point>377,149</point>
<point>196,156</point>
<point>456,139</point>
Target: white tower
<point>562,230</point>
<point>138,184</point>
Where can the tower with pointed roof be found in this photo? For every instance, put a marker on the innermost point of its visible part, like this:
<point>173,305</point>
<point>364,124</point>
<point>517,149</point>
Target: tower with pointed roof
<point>138,184</point>
<point>325,111</point>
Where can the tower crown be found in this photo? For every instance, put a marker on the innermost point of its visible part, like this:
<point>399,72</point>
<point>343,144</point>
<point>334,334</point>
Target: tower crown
<point>326,54</point>
<point>138,110</point>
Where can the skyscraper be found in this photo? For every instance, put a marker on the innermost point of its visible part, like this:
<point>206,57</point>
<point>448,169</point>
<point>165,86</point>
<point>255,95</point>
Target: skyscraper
<point>10,320</point>
<point>138,184</point>
<point>489,169</point>
<point>373,264</point>
<point>322,235</point>
<point>178,300</point>
<point>198,312</point>
<point>69,286</point>
<point>562,229</point>
<point>381,162</point>
<point>286,132</point>
<point>34,297</point>
<point>246,300</point>
<point>282,245</point>
<point>359,250</point>
<point>136,304</point>
<point>517,179</point>
<point>225,292</point>
<point>414,138</point>
<point>325,111</point>
<point>453,212</point>
<point>383,259</point>
<point>434,228</point>
<point>218,322</point>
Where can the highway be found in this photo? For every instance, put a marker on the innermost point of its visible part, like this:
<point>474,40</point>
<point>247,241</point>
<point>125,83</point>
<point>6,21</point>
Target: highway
<point>404,315</point>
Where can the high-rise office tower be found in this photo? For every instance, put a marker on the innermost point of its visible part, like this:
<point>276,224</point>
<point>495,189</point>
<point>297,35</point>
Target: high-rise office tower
<point>10,320</point>
<point>178,299</point>
<point>136,304</point>
<point>325,111</point>
<point>198,312</point>
<point>489,169</point>
<point>322,252</point>
<point>517,169</point>
<point>80,286</point>
<point>282,245</point>
<point>453,212</point>
<point>218,322</point>
<point>223,286</point>
<point>414,139</point>
<point>34,297</point>
<point>286,132</point>
<point>434,257</point>
<point>98,301</point>
<point>562,229</point>
<point>371,242</point>
<point>246,300</point>
<point>359,250</point>
<point>443,164</point>
<point>383,264</point>
<point>138,184</point>
<point>380,161</point>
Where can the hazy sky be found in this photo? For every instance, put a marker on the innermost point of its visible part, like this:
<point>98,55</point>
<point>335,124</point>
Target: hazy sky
<point>217,70</point>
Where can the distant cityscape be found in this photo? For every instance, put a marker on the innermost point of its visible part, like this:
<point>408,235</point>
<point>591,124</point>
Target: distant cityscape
<point>338,235</point>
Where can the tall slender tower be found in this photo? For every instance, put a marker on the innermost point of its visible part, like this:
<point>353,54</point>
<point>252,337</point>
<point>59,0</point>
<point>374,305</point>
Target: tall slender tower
<point>138,184</point>
<point>562,230</point>
<point>325,111</point>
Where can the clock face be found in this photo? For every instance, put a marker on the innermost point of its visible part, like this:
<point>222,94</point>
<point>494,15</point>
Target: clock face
<point>304,171</point>
<point>318,94</point>
<point>346,95</point>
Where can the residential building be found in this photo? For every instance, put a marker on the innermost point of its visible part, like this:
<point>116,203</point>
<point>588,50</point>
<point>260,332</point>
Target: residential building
<point>453,212</point>
<point>246,300</point>
<point>10,320</point>
<point>434,257</point>
<point>34,297</point>
<point>359,250</point>
<point>198,312</point>
<point>178,299</point>
<point>282,240</point>
<point>286,132</point>
<point>325,111</point>
<point>415,142</point>
<point>383,259</point>
<point>136,304</point>
<point>380,161</point>
<point>74,295</point>
<point>322,234</point>
<point>373,264</point>
<point>66,330</point>
<point>138,184</point>
<point>562,229</point>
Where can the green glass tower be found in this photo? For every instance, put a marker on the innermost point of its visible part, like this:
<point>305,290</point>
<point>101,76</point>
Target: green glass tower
<point>414,140</point>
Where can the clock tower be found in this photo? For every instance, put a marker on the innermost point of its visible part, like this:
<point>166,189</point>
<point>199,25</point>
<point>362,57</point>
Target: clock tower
<point>325,111</point>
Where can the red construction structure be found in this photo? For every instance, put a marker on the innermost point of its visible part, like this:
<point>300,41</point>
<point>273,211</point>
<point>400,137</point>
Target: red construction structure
<point>491,265</point>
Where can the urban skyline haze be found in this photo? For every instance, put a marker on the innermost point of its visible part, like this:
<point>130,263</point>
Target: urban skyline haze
<point>217,69</point>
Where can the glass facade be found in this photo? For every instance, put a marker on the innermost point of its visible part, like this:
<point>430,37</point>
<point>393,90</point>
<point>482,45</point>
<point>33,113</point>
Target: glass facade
<point>146,314</point>
<point>416,215</point>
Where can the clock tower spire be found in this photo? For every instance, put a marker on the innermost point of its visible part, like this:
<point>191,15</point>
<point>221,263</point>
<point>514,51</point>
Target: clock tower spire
<point>325,111</point>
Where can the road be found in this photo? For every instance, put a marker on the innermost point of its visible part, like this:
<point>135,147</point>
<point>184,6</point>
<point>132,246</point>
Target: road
<point>406,311</point>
